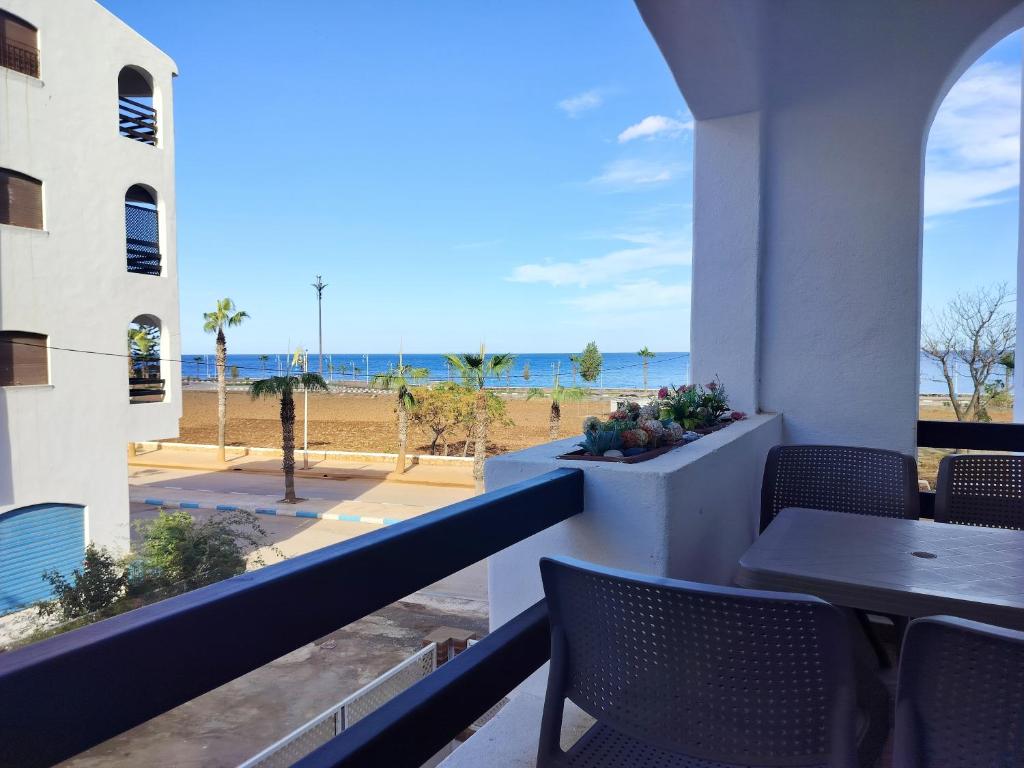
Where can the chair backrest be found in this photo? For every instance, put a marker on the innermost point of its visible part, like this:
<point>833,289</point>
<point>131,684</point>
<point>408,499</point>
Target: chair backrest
<point>960,700</point>
<point>731,675</point>
<point>981,489</point>
<point>863,481</point>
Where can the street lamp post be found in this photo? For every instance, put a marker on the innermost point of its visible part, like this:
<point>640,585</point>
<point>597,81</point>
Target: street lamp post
<point>319,286</point>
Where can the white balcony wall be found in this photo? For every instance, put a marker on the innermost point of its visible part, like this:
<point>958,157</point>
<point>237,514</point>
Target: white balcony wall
<point>67,442</point>
<point>811,122</point>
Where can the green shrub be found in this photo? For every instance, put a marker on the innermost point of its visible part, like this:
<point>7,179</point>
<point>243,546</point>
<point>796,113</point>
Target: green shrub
<point>94,588</point>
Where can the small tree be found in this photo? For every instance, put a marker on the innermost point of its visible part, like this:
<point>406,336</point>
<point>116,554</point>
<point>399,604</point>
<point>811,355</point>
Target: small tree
<point>558,395</point>
<point>264,359</point>
<point>645,355</point>
<point>590,362</point>
<point>440,410</point>
<point>526,371</point>
<point>475,370</point>
<point>283,387</point>
<point>93,589</point>
<point>574,361</point>
<point>978,330</point>
<point>224,315</point>
<point>399,379</point>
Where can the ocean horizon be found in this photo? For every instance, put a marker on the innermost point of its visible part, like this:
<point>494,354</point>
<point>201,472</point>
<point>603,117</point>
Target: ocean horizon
<point>620,370</point>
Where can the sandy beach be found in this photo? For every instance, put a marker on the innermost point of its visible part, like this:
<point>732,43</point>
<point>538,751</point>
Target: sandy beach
<point>364,422</point>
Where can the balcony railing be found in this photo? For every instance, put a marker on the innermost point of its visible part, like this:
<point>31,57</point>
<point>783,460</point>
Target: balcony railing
<point>19,57</point>
<point>68,693</point>
<point>136,120</point>
<point>142,239</point>
<point>142,389</point>
<point>966,435</point>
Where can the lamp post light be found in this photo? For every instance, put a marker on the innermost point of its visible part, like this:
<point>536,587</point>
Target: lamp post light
<point>319,286</point>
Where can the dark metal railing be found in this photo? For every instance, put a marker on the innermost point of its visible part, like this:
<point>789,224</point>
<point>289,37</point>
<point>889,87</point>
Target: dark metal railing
<point>65,694</point>
<point>966,435</point>
<point>143,389</point>
<point>136,120</point>
<point>19,57</point>
<point>142,239</point>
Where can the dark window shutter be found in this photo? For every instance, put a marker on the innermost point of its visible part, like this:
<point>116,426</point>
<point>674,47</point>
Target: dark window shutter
<point>23,359</point>
<point>19,47</point>
<point>21,200</point>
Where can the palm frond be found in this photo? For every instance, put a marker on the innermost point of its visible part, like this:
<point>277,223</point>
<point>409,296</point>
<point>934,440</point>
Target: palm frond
<point>500,363</point>
<point>274,386</point>
<point>535,392</point>
<point>314,382</point>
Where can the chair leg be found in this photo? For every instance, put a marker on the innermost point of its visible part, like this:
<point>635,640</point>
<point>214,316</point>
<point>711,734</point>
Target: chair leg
<point>876,645</point>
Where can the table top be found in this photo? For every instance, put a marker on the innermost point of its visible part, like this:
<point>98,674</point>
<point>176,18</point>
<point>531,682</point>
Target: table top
<point>893,566</point>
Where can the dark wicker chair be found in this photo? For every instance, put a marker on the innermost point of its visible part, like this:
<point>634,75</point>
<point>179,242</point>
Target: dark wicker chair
<point>863,481</point>
<point>684,675</point>
<point>981,489</point>
<point>961,696</point>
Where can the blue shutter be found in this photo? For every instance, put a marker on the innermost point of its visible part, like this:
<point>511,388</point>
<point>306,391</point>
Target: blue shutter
<point>35,539</point>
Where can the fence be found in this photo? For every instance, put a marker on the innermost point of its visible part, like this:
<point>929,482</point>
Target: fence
<point>345,713</point>
<point>142,239</point>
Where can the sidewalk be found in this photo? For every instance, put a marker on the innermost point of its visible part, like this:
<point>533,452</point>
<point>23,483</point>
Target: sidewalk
<point>460,476</point>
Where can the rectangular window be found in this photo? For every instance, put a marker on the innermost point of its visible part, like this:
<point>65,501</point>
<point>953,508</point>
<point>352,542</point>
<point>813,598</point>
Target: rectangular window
<point>21,200</point>
<point>23,359</point>
<point>18,47</point>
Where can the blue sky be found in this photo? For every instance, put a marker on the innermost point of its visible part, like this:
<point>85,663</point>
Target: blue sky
<point>518,173</point>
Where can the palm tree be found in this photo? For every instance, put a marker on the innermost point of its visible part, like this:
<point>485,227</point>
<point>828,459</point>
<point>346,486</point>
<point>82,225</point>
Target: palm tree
<point>214,322</point>
<point>140,344</point>
<point>574,361</point>
<point>282,387</point>
<point>558,395</point>
<point>646,354</point>
<point>400,379</point>
<point>264,359</point>
<point>474,370</point>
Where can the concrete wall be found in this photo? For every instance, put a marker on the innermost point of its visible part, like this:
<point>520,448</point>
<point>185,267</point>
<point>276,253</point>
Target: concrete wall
<point>811,127</point>
<point>688,514</point>
<point>66,442</point>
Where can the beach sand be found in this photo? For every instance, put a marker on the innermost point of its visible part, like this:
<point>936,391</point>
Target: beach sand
<point>362,422</point>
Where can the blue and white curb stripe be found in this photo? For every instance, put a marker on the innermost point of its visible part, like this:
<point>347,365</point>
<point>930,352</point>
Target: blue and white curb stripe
<point>275,511</point>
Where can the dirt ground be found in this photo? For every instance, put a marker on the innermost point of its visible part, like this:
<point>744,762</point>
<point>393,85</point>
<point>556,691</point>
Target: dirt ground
<point>928,458</point>
<point>361,422</point>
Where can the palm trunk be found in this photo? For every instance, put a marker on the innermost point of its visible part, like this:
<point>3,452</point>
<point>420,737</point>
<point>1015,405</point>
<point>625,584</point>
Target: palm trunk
<point>222,393</point>
<point>480,433</point>
<point>403,435</point>
<point>645,375</point>
<point>555,421</point>
<point>288,445</point>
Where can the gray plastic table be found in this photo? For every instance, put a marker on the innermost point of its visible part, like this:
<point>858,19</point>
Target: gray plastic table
<point>892,566</point>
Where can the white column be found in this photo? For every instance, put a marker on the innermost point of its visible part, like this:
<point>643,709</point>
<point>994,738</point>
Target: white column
<point>1018,402</point>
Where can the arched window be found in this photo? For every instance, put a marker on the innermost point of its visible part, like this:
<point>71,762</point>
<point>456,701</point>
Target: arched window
<point>24,359</point>
<point>142,231</point>
<point>21,200</point>
<point>136,113</point>
<point>145,381</point>
<point>19,47</point>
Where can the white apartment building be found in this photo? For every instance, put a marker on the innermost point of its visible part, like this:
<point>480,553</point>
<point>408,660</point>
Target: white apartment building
<point>87,252</point>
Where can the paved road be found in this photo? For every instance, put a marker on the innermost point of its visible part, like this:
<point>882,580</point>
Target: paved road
<point>235,721</point>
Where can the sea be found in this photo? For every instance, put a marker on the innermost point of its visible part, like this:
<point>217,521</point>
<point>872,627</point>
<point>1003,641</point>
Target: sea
<point>619,370</point>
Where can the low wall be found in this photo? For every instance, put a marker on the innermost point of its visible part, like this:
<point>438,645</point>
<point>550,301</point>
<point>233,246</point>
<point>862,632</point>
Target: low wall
<point>687,514</point>
<point>383,458</point>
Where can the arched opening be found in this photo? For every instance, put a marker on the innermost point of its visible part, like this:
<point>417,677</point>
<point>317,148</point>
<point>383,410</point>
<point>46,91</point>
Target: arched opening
<point>137,118</point>
<point>19,45</point>
<point>145,380</point>
<point>969,269</point>
<point>142,230</point>
<point>35,540</point>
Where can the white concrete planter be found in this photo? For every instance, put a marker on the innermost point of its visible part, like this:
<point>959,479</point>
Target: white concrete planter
<point>687,514</point>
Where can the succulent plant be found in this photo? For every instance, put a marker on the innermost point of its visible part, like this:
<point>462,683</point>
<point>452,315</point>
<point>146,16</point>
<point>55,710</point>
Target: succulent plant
<point>596,442</point>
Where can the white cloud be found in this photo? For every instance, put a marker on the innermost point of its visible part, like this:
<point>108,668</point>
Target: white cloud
<point>974,144</point>
<point>641,295</point>
<point>576,105</point>
<point>632,173</point>
<point>655,125</point>
<point>651,251</point>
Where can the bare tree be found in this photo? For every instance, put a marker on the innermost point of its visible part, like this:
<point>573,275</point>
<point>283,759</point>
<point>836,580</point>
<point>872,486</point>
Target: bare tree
<point>977,328</point>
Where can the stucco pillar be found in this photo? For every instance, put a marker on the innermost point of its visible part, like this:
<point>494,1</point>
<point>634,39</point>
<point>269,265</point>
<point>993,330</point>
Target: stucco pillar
<point>726,236</point>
